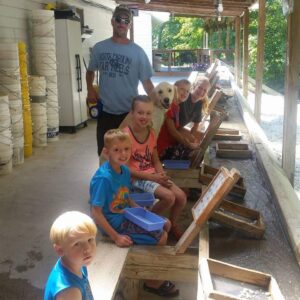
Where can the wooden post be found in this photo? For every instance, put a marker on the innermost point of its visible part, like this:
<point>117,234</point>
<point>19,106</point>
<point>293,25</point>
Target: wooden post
<point>291,93</point>
<point>219,38</point>
<point>260,58</point>
<point>246,53</point>
<point>228,36</point>
<point>237,56</point>
<point>132,31</point>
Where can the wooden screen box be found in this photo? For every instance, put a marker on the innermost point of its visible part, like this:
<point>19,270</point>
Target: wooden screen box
<point>222,281</point>
<point>241,218</point>
<point>233,150</point>
<point>224,134</point>
<point>207,173</point>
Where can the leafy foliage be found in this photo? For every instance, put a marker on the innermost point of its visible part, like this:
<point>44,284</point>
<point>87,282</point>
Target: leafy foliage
<point>275,45</point>
<point>187,33</point>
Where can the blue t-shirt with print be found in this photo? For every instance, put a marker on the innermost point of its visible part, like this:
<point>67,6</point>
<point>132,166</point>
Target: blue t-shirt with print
<point>110,190</point>
<point>61,278</point>
<point>121,68</point>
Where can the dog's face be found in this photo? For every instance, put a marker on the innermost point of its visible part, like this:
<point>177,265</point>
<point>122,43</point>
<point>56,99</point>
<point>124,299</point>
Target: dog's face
<point>164,94</point>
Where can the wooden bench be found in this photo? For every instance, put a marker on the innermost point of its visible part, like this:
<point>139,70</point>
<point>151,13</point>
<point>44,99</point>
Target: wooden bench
<point>105,270</point>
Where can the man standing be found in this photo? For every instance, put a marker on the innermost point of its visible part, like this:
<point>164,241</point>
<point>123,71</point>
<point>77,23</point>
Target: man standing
<point>122,64</point>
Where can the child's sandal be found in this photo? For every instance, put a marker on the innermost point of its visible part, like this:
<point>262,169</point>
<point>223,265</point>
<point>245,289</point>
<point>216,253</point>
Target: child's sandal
<point>165,290</point>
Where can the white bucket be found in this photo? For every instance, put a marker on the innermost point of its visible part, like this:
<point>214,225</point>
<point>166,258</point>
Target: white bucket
<point>37,86</point>
<point>18,155</point>
<point>43,41</point>
<point>39,124</point>
<point>38,109</point>
<point>9,63</point>
<point>13,47</point>
<point>39,134</point>
<point>8,79</point>
<point>44,47</point>
<point>42,14</point>
<point>12,90</point>
<point>5,136</point>
<point>8,55</point>
<point>51,79</point>
<point>6,168</point>
<point>15,106</point>
<point>10,72</point>
<point>43,31</point>
<point>45,61</point>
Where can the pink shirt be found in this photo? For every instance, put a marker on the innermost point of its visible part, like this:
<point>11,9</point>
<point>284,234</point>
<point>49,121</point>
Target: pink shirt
<point>142,153</point>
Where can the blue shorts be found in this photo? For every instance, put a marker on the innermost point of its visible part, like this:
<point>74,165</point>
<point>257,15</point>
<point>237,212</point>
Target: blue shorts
<point>139,235</point>
<point>145,185</point>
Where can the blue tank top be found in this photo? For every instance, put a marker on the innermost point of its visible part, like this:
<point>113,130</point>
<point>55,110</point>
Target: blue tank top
<point>61,278</point>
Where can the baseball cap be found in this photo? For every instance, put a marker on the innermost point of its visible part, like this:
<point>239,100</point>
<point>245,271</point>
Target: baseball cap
<point>122,10</point>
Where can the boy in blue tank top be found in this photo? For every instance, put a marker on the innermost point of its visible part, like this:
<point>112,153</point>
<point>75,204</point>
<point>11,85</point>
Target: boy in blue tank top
<point>73,235</point>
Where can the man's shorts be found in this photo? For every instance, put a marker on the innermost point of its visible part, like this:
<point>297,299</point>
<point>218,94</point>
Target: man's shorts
<point>145,186</point>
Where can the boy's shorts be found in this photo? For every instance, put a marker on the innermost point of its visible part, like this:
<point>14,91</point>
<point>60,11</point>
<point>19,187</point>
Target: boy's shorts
<point>145,185</point>
<point>139,235</point>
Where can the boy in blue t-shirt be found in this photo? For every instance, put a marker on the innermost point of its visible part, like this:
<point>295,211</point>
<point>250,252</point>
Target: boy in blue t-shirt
<point>73,235</point>
<point>109,196</point>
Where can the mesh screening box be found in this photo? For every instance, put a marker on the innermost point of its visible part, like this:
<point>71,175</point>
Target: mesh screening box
<point>142,199</point>
<point>176,164</point>
<point>144,218</point>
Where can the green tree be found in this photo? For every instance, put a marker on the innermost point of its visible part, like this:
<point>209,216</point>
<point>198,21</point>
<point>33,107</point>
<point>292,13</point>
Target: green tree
<point>275,45</point>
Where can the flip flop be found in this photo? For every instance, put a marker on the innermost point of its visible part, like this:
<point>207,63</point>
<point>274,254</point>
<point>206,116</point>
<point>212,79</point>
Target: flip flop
<point>165,290</point>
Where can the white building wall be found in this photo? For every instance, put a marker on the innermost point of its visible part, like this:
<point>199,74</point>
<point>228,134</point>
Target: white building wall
<point>14,23</point>
<point>15,14</point>
<point>143,32</point>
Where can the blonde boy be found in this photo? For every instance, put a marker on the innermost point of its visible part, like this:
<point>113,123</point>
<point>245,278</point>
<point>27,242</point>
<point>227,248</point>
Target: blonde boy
<point>73,235</point>
<point>109,196</point>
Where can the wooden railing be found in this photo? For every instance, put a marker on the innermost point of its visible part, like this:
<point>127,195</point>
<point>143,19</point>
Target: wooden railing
<point>187,58</point>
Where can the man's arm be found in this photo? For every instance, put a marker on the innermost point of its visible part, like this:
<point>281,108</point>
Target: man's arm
<point>148,86</point>
<point>91,92</point>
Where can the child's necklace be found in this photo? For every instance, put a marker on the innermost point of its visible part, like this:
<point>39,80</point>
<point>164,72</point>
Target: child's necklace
<point>140,136</point>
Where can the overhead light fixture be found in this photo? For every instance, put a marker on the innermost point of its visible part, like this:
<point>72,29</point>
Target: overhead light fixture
<point>147,1</point>
<point>220,7</point>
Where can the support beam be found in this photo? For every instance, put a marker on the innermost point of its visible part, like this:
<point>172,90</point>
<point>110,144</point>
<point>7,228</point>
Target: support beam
<point>245,53</point>
<point>291,93</point>
<point>228,36</point>
<point>237,57</point>
<point>132,30</point>
<point>260,58</point>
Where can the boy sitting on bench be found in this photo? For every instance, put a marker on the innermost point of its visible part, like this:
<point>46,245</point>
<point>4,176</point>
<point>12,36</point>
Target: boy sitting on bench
<point>109,196</point>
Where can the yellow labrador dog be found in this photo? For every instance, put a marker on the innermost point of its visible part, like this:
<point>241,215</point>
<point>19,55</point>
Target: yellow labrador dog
<point>162,95</point>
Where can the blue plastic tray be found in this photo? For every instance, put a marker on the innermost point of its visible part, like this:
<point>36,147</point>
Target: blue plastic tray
<point>143,199</point>
<point>176,164</point>
<point>144,218</point>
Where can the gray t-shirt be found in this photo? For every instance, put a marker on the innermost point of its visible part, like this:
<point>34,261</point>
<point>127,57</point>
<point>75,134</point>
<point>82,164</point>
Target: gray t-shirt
<point>121,68</point>
<point>190,112</point>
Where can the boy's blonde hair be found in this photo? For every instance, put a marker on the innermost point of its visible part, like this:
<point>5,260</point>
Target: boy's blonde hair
<point>140,98</point>
<point>115,134</point>
<point>70,223</point>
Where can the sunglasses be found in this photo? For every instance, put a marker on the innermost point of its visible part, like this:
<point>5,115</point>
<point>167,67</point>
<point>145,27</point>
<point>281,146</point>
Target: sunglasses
<point>120,20</point>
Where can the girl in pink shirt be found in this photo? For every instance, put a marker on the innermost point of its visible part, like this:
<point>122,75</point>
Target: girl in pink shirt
<point>145,166</point>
